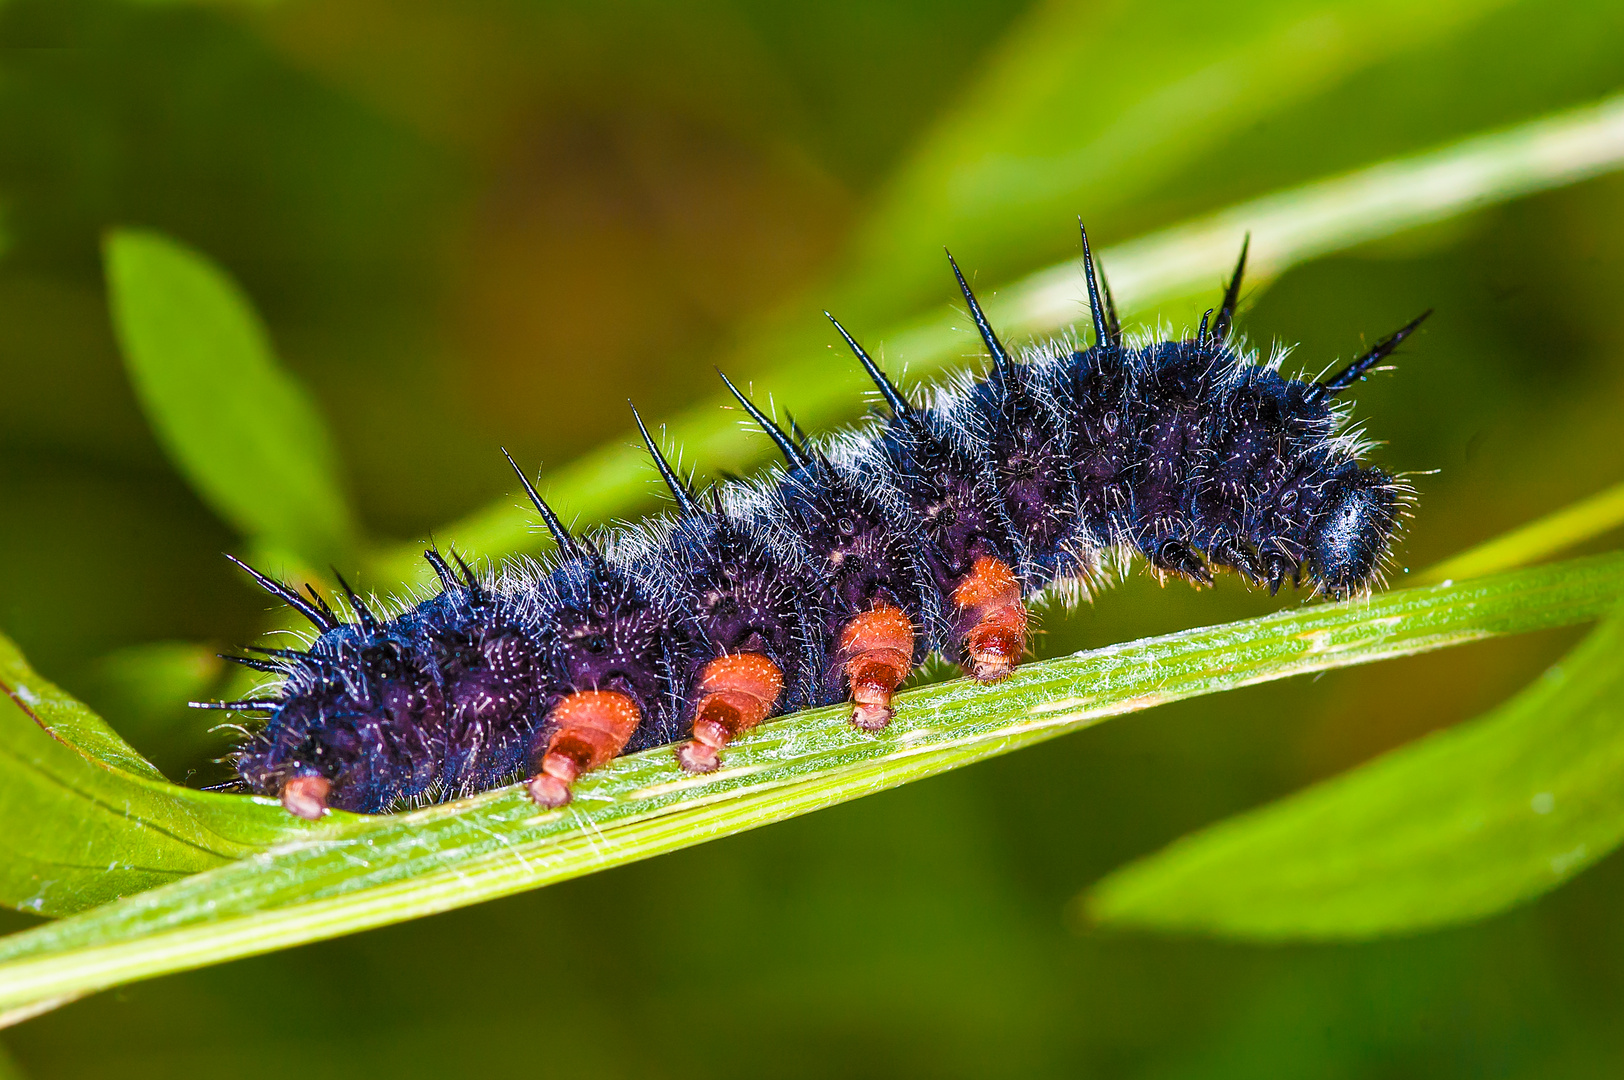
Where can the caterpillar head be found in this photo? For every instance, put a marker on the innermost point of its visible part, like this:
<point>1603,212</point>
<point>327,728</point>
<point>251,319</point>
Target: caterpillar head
<point>1355,530</point>
<point>335,701</point>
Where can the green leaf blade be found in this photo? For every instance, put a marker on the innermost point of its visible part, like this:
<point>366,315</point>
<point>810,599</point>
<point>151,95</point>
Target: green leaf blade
<point>91,821</point>
<point>236,425</point>
<point>1457,826</point>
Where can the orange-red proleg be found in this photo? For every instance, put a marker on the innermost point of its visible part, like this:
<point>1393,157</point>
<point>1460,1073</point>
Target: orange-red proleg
<point>877,648</point>
<point>992,618</point>
<point>306,796</point>
<point>735,694</point>
<point>590,727</point>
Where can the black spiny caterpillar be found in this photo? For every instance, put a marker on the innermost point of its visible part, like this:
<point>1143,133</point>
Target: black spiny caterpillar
<point>830,578</point>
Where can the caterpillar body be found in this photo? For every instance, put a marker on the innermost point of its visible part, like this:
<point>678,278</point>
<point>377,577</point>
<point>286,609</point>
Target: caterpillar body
<point>831,577</point>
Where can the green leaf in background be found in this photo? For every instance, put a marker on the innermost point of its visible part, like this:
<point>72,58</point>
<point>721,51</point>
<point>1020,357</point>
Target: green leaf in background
<point>1089,105</point>
<point>1288,228</point>
<point>88,820</point>
<point>376,871</point>
<point>147,687</point>
<point>235,424</point>
<point>1573,525</point>
<point>1459,825</point>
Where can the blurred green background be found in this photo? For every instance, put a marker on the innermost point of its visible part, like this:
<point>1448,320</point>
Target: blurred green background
<point>486,222</point>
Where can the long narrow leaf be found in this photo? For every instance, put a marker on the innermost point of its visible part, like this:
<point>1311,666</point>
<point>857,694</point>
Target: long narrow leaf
<point>388,869</point>
<point>1086,107</point>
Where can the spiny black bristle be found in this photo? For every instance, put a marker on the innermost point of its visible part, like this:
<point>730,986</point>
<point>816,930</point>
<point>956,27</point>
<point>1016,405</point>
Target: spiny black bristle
<point>321,602</point>
<point>1102,329</point>
<point>321,616</point>
<point>285,654</point>
<point>1383,349</point>
<point>900,409</point>
<point>1113,322</point>
<point>796,432</point>
<point>796,455</point>
<point>561,535</point>
<point>448,580</point>
<point>363,614</point>
<point>1232,296</point>
<point>1000,356</point>
<point>679,490</point>
<point>470,580</point>
<point>266,666</point>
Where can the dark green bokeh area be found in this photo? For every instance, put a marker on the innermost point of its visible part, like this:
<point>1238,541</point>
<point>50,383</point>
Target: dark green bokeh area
<point>480,224</point>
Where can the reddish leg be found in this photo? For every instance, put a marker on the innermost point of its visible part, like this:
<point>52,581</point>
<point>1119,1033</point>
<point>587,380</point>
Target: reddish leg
<point>877,647</point>
<point>735,694</point>
<point>306,796</point>
<point>991,619</point>
<point>589,728</point>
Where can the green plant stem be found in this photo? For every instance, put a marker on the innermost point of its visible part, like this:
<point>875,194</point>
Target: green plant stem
<point>376,871</point>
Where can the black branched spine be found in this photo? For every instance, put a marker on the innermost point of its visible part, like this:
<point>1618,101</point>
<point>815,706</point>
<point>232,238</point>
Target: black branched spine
<point>1057,464</point>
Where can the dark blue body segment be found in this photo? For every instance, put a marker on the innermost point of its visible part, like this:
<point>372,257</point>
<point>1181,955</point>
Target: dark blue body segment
<point>437,703</point>
<point>862,550</point>
<point>739,588</point>
<point>1186,453</point>
<point>608,625</point>
<point>1094,389</point>
<point>1026,445</point>
<point>484,660</point>
<point>940,468</point>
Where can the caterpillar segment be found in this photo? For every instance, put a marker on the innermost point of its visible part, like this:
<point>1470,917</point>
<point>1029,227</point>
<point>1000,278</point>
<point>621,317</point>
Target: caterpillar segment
<point>831,577</point>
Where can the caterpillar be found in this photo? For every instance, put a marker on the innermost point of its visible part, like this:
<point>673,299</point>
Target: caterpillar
<point>832,576</point>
